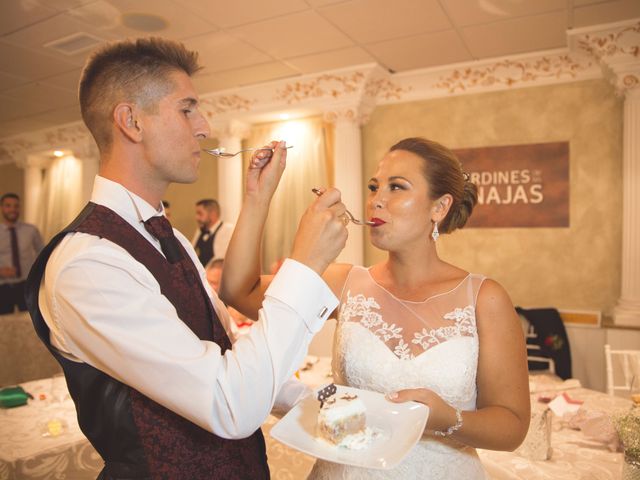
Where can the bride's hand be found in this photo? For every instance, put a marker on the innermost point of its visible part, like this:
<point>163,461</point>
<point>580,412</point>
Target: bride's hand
<point>441,414</point>
<point>265,170</point>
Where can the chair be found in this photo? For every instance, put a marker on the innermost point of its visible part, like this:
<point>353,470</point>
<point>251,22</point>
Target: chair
<point>547,341</point>
<point>623,368</point>
<point>536,359</point>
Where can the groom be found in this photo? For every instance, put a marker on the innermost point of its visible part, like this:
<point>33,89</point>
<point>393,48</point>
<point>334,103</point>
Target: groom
<point>123,304</point>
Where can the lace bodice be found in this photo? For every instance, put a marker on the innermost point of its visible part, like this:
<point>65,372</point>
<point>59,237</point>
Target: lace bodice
<point>383,343</point>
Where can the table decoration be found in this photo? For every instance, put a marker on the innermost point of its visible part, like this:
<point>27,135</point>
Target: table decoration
<point>628,428</point>
<point>596,425</point>
<point>13,397</point>
<point>537,443</point>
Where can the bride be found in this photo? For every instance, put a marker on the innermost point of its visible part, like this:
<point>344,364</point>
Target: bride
<point>414,326</point>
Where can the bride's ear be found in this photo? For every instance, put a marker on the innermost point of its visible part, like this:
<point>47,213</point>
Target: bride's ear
<point>441,207</point>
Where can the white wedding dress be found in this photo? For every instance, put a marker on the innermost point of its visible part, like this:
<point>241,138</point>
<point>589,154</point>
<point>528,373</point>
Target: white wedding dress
<point>386,344</point>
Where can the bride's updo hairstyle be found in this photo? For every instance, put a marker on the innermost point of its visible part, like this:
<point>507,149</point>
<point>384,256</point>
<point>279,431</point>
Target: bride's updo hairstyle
<point>444,174</point>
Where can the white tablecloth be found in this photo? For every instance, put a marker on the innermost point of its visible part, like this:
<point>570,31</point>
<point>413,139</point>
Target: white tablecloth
<point>26,454</point>
<point>574,457</point>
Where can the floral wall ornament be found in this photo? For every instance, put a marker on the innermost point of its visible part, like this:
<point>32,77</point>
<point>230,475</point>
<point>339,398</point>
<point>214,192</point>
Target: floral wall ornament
<point>616,48</point>
<point>616,43</point>
<point>68,137</point>
<point>335,87</point>
<point>71,134</point>
<point>385,89</point>
<point>356,115</point>
<point>630,81</point>
<point>509,72</point>
<point>217,105</point>
<point>14,148</point>
<point>327,85</point>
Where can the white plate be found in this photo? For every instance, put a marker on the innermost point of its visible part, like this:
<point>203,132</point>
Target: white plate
<point>401,426</point>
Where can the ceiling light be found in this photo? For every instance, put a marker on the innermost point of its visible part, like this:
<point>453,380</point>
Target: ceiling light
<point>76,43</point>
<point>58,153</point>
<point>284,116</point>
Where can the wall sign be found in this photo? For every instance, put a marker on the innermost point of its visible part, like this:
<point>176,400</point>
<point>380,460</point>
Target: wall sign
<point>519,185</point>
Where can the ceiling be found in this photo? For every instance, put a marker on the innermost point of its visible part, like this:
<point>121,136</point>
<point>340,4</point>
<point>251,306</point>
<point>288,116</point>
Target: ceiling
<point>243,42</point>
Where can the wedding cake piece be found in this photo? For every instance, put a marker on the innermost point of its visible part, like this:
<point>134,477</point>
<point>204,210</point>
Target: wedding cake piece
<point>342,419</point>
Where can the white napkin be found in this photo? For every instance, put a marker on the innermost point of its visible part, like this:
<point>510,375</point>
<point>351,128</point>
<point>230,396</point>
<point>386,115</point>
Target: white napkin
<point>564,404</point>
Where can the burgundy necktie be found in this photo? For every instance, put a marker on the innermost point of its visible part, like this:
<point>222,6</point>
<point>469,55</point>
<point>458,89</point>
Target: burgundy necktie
<point>15,254</point>
<point>160,228</point>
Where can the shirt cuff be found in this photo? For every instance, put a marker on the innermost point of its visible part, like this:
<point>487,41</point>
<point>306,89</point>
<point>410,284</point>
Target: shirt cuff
<point>304,291</point>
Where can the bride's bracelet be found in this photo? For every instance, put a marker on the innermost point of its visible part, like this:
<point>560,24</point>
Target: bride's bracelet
<point>452,428</point>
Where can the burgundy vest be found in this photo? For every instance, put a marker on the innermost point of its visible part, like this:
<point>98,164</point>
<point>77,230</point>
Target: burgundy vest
<point>137,437</point>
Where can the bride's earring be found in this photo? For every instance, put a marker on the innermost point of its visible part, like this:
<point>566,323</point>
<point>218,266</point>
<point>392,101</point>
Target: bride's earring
<point>435,234</point>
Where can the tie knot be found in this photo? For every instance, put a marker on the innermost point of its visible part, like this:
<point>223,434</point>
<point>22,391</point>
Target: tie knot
<point>159,227</point>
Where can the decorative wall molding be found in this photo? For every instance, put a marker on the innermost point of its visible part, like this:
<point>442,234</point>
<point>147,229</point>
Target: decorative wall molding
<point>353,114</point>
<point>333,86</point>
<point>509,73</point>
<point>221,104</point>
<point>616,48</point>
<point>352,93</point>
<point>618,40</point>
<point>72,136</point>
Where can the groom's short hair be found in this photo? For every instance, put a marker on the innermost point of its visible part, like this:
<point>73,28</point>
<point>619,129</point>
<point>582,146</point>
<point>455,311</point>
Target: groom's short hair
<point>136,71</point>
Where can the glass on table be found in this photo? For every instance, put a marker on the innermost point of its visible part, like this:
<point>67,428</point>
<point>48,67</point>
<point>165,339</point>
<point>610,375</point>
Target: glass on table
<point>55,423</point>
<point>634,390</point>
<point>58,391</point>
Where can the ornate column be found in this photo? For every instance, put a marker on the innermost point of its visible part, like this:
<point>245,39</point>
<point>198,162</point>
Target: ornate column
<point>348,177</point>
<point>230,134</point>
<point>33,166</point>
<point>627,311</point>
<point>616,47</point>
<point>89,156</point>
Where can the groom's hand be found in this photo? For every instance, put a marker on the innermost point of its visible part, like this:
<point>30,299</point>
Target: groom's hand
<point>322,233</point>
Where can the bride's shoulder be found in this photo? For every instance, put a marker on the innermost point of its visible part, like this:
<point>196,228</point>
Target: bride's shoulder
<point>336,276</point>
<point>493,300</point>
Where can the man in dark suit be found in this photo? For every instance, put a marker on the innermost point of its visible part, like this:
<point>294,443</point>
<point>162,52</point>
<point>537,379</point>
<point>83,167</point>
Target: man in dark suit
<point>213,235</point>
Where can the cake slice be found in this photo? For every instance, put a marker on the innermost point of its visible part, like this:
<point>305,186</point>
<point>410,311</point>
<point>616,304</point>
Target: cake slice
<point>340,417</point>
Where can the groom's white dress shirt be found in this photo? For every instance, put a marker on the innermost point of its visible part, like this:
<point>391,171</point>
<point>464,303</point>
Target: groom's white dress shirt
<point>105,308</point>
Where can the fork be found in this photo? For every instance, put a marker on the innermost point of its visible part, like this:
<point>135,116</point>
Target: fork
<point>219,152</point>
<point>347,212</point>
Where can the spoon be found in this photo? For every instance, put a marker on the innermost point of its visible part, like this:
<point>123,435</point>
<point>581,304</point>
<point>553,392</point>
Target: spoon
<point>219,152</point>
<point>347,212</point>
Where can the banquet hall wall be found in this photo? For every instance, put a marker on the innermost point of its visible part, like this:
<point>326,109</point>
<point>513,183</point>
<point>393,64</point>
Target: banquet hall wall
<point>578,267</point>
